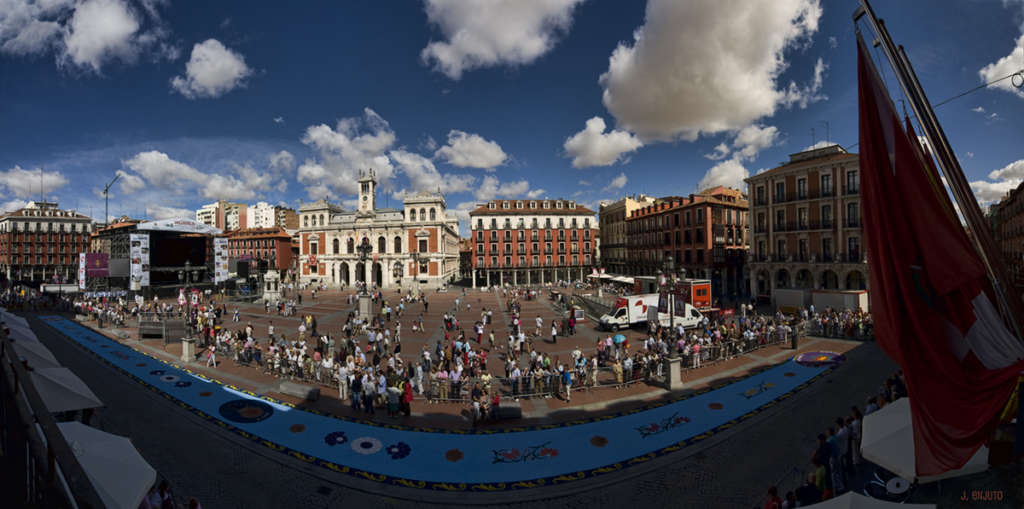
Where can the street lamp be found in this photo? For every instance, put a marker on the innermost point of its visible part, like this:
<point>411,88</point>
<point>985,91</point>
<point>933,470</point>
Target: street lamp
<point>670,272</point>
<point>364,253</point>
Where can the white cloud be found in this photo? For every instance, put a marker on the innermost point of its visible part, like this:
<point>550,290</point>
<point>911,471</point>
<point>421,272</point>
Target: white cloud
<point>491,188</point>
<point>35,37</point>
<point>212,71</point>
<point>278,120</point>
<point>12,205</point>
<point>101,31</point>
<point>429,144</point>
<point>168,175</point>
<point>25,183</point>
<point>970,154</point>
<point>708,66</point>
<point>833,42</point>
<point>721,152</point>
<point>593,147</point>
<point>130,183</point>
<point>803,96</point>
<point>979,109</point>
<point>356,144</point>
<point>423,175</point>
<point>990,192</point>
<point>1014,170</point>
<point>820,144</point>
<point>1009,64</point>
<point>617,183</point>
<point>461,212</point>
<point>583,183</point>
<point>729,173</point>
<point>487,33</point>
<point>282,161</point>
<point>752,139</point>
<point>162,171</point>
<point>471,151</point>
<point>536,193</point>
<point>158,212</point>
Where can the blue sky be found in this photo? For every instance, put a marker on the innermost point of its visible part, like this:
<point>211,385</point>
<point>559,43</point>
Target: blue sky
<point>579,99</point>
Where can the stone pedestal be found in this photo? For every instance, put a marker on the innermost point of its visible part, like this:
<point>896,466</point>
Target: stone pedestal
<point>365,307</point>
<point>188,350</point>
<point>272,286</point>
<point>673,374</point>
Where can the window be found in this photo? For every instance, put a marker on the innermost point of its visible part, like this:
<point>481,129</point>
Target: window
<point>760,222</point>
<point>802,249</point>
<point>686,218</point>
<point>801,217</point>
<point>522,247</point>
<point>533,247</point>
<point>479,261</point>
<point>780,220</point>
<point>423,214</point>
<point>826,184</point>
<point>780,191</point>
<point>313,248</point>
<point>305,221</point>
<point>534,262</point>
<point>508,259</point>
<point>433,214</point>
<point>801,189</point>
<point>547,260</point>
<point>412,214</point>
<point>508,248</point>
<point>586,223</point>
<point>351,246</point>
<point>826,249</point>
<point>561,259</point>
<point>533,205</point>
<point>494,248</point>
<point>494,224</point>
<point>700,216</point>
<point>519,205</point>
<point>700,235</point>
<point>853,249</point>
<point>687,237</point>
<point>423,245</point>
<point>852,182</point>
<point>337,246</point>
<point>398,243</point>
<point>382,245</point>
<point>851,215</point>
<point>780,249</point>
<point>494,261</point>
<point>760,195</point>
<point>700,256</point>
<point>479,224</point>
<point>760,248</point>
<point>504,204</point>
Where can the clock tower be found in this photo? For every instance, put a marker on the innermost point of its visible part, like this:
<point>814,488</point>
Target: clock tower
<point>367,192</point>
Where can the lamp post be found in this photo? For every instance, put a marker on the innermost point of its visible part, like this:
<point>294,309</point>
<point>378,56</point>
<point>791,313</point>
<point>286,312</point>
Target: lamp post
<point>364,249</point>
<point>670,273</point>
<point>416,269</point>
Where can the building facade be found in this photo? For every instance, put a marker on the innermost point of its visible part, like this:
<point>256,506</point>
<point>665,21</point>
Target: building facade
<point>532,242</point>
<point>271,244</point>
<point>612,219</point>
<point>704,233</point>
<point>41,242</point>
<point>415,246</point>
<point>807,224</point>
<point>265,215</point>
<point>224,215</point>
<point>1007,218</point>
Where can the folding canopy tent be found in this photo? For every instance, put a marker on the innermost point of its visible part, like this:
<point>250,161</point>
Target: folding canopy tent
<point>851,500</point>
<point>37,355</point>
<point>120,475</point>
<point>888,441</point>
<point>62,391</point>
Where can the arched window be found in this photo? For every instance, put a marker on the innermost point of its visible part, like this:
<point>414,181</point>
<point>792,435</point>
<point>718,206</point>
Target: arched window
<point>305,221</point>
<point>433,214</point>
<point>382,245</point>
<point>337,246</point>
<point>423,214</point>
<point>412,214</point>
<point>398,244</point>
<point>322,220</point>
<point>351,245</point>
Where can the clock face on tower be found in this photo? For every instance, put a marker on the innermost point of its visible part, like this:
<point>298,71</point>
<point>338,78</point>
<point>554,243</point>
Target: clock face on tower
<point>364,197</point>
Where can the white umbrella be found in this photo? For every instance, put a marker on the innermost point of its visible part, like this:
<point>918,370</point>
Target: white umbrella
<point>888,441</point>
<point>63,391</point>
<point>37,355</point>
<point>852,500</point>
<point>119,474</point>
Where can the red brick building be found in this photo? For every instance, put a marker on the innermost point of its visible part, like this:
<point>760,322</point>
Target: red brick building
<point>704,233</point>
<point>271,244</point>
<point>532,241</point>
<point>41,242</point>
<point>1008,228</point>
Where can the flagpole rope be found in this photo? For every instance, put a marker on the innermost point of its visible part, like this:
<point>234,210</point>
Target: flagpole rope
<point>1019,75</point>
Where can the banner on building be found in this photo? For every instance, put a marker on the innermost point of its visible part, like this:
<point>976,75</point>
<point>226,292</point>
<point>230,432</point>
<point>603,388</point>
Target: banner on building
<point>178,225</point>
<point>220,259</point>
<point>97,265</point>
<point>81,271</point>
<point>138,251</point>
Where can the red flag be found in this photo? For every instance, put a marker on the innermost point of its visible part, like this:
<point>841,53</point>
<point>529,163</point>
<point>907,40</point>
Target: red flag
<point>929,291</point>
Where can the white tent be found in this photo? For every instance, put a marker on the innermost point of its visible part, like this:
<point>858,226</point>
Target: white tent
<point>62,391</point>
<point>37,355</point>
<point>852,500</point>
<point>119,474</point>
<point>888,441</point>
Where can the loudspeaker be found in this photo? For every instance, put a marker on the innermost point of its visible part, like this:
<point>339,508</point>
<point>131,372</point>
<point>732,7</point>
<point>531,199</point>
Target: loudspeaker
<point>243,269</point>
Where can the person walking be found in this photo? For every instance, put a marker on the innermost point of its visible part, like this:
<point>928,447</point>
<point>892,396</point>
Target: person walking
<point>554,332</point>
<point>211,356</point>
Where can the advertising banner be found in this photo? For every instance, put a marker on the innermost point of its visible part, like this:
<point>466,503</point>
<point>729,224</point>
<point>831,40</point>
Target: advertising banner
<point>178,225</point>
<point>81,271</point>
<point>220,259</point>
<point>97,265</point>
<point>138,251</point>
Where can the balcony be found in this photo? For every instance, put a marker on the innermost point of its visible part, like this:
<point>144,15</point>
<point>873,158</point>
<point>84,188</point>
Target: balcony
<point>826,224</point>
<point>758,202</point>
<point>779,198</point>
<point>853,223</point>
<point>801,195</point>
<point>852,190</point>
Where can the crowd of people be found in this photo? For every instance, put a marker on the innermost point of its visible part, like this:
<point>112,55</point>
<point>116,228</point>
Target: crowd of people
<point>836,461</point>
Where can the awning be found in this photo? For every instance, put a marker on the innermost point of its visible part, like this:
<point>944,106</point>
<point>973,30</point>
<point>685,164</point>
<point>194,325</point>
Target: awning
<point>120,475</point>
<point>63,391</point>
<point>888,442</point>
<point>851,500</point>
<point>37,355</point>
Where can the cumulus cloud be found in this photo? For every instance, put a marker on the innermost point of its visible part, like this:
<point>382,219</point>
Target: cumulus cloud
<point>282,161</point>
<point>471,151</point>
<point>491,188</point>
<point>354,145</point>
<point>165,174</point>
<point>617,183</point>
<point>1014,170</point>
<point>728,173</point>
<point>487,33</point>
<point>820,144</point>
<point>212,71</point>
<point>536,193</point>
<point>100,31</point>
<point>1012,63</point>
<point>130,183</point>
<point>721,151</point>
<point>12,205</point>
<point>594,147</point>
<point>25,183</point>
<point>708,66</point>
<point>990,192</point>
<point>158,212</point>
<point>423,175</point>
<point>752,139</point>
<point>160,170</point>
<point>833,42</point>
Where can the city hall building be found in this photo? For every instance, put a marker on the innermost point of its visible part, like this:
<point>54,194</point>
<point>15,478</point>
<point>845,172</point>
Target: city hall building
<point>418,245</point>
<point>528,242</point>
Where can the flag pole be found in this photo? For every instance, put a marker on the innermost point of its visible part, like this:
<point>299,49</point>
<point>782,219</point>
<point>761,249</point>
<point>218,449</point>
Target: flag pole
<point>950,166</point>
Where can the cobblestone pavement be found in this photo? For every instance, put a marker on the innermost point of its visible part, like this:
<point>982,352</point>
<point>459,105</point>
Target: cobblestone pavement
<point>223,471</point>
